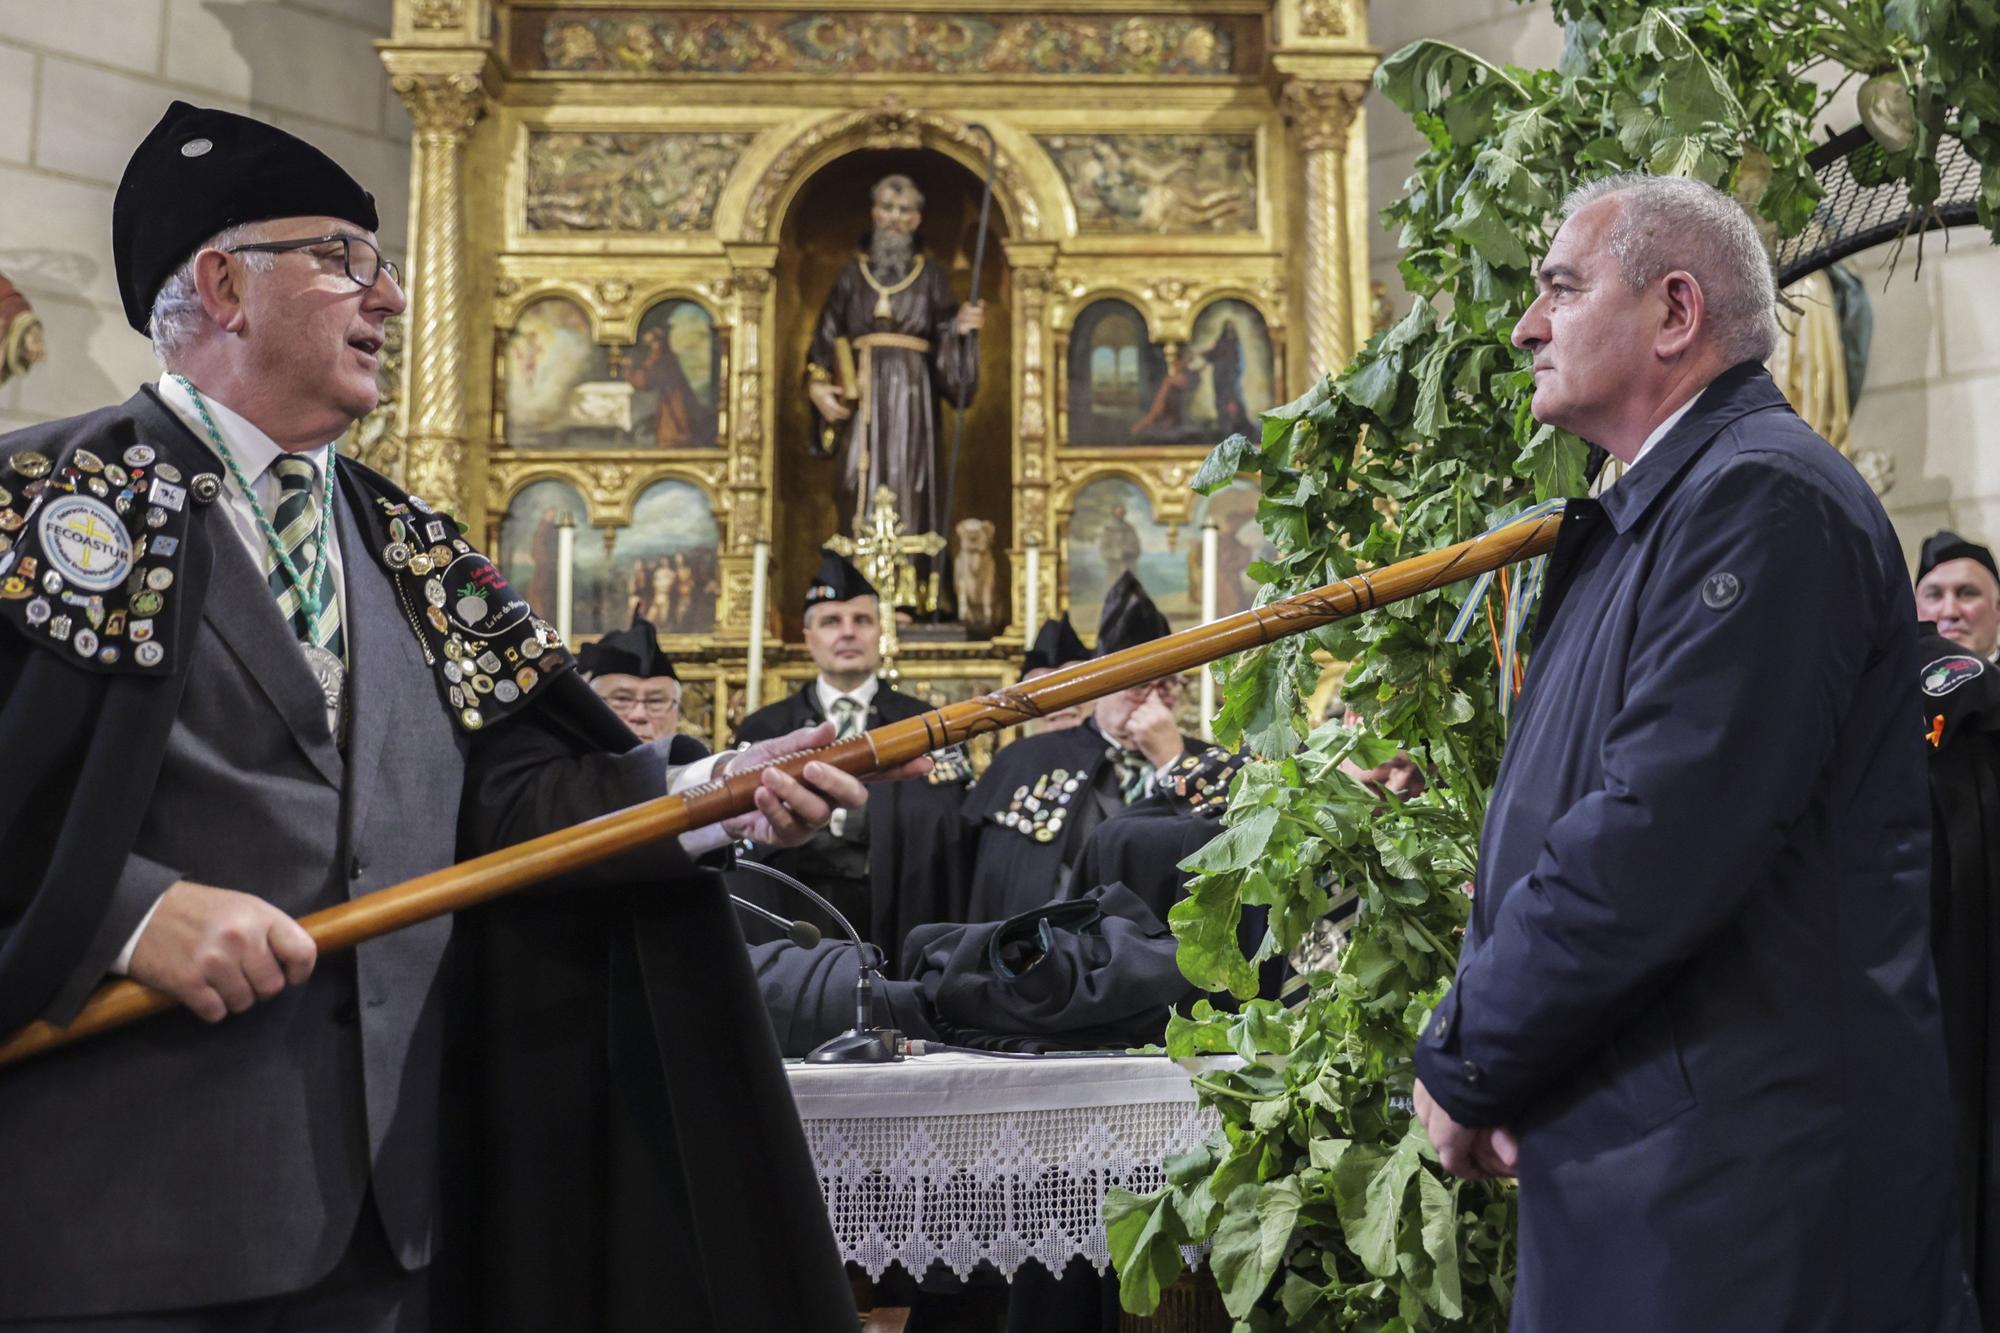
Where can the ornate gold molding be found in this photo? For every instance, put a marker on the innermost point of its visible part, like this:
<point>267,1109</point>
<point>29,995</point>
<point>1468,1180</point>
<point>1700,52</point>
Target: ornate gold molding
<point>444,103</point>
<point>1324,18</point>
<point>436,14</point>
<point>889,124</point>
<point>1322,113</point>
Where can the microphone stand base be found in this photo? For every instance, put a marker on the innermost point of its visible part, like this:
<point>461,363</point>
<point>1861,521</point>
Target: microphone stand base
<point>869,1046</point>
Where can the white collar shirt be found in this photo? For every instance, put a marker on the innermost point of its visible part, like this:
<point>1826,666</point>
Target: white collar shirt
<point>254,452</point>
<point>863,694</point>
<point>1660,431</point>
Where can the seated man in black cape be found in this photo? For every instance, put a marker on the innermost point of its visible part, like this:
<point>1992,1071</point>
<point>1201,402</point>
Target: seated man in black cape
<point>894,865</point>
<point>1029,815</point>
<point>243,679</point>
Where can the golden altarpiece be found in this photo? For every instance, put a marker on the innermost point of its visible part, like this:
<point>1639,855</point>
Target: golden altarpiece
<point>625,219</point>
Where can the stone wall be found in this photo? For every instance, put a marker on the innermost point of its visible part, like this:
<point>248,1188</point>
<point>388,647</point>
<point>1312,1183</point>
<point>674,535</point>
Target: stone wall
<point>1931,401</point>
<point>81,81</point>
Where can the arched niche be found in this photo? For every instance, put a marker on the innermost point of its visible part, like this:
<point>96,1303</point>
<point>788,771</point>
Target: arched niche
<point>827,221</point>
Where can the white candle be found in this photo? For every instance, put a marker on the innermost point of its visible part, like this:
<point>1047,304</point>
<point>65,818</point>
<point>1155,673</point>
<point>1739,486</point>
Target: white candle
<point>565,577</point>
<point>1033,598</point>
<point>760,570</point>
<point>1211,537</point>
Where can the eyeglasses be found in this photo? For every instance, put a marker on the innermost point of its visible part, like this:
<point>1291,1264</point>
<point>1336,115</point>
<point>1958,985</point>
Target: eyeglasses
<point>359,256</point>
<point>621,701</point>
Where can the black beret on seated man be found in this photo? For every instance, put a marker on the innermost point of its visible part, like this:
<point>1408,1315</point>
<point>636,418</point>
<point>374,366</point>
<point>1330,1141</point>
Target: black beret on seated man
<point>243,679</point>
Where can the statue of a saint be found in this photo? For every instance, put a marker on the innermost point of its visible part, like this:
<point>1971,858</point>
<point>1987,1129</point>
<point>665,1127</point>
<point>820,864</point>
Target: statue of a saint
<point>892,339</point>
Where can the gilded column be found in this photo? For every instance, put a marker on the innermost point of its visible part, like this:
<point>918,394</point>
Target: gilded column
<point>747,497</point>
<point>1321,114</point>
<point>1031,487</point>
<point>443,106</point>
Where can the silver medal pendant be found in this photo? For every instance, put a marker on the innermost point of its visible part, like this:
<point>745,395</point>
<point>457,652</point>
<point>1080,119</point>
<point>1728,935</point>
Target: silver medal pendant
<point>331,673</point>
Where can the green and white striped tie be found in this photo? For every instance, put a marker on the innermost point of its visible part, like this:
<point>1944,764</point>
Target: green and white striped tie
<point>296,520</point>
<point>846,718</point>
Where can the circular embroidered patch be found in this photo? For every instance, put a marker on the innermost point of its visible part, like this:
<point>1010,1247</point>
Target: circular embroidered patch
<point>1720,591</point>
<point>1948,673</point>
<point>84,541</point>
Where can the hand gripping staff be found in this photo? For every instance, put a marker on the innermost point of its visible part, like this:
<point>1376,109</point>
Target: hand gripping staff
<point>499,873</point>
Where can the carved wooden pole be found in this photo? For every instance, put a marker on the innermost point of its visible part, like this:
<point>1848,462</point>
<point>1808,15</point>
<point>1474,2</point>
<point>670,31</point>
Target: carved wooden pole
<point>1321,114</point>
<point>444,105</point>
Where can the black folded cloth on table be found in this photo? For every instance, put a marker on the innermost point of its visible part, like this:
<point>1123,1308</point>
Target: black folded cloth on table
<point>1092,972</point>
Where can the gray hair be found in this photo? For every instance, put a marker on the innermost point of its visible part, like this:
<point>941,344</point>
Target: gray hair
<point>177,314</point>
<point>897,184</point>
<point>1671,222</point>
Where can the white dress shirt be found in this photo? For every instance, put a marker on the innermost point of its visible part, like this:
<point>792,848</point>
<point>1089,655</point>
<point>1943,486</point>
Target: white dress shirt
<point>863,694</point>
<point>1660,431</point>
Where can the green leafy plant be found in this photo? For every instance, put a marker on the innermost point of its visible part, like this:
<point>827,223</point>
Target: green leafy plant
<point>1319,1198</point>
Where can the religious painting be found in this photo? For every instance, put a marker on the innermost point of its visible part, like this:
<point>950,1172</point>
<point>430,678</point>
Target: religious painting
<point>628,182</point>
<point>1159,183</point>
<point>675,371</point>
<point>1112,532</point>
<point>1235,381</point>
<point>562,392</point>
<point>530,552</point>
<point>550,354</point>
<point>1239,543</point>
<point>666,565</point>
<point>633,42</point>
<point>1115,371</point>
<point>1125,389</point>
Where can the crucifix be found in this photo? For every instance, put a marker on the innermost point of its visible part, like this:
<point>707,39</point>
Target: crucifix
<point>884,554</point>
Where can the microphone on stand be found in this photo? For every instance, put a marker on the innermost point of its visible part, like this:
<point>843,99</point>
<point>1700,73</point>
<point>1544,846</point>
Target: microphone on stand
<point>802,933</point>
<point>864,1043</point>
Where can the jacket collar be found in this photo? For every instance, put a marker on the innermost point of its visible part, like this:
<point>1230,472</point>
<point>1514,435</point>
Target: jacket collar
<point>1742,389</point>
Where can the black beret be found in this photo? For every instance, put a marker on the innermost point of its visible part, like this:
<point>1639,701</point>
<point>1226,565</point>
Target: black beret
<point>1056,645</point>
<point>1129,618</point>
<point>629,652</point>
<point>1942,546</point>
<point>836,581</point>
<point>202,171</point>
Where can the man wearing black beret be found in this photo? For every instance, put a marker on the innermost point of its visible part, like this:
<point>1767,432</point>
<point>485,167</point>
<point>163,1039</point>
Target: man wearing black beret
<point>1958,590</point>
<point>1056,644</point>
<point>243,679</point>
<point>629,672</point>
<point>895,865</point>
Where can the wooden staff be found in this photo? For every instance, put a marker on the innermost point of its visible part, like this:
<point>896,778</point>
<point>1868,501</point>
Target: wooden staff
<point>498,873</point>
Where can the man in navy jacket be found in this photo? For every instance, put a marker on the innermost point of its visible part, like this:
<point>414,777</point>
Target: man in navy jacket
<point>1695,1010</point>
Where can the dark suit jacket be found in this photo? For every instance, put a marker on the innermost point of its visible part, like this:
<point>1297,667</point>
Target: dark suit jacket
<point>1697,978</point>
<point>908,832</point>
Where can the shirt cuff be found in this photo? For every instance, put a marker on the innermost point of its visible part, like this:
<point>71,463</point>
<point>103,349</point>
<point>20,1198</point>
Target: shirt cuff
<point>122,964</point>
<point>708,838</point>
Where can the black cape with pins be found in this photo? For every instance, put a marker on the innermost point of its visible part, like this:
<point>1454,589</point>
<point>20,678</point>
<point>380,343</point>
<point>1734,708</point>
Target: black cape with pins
<point>1012,867</point>
<point>696,1168</point>
<point>914,855</point>
<point>1964,691</point>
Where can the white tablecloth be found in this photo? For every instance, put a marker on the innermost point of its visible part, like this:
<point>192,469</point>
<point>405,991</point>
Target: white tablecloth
<point>966,1158</point>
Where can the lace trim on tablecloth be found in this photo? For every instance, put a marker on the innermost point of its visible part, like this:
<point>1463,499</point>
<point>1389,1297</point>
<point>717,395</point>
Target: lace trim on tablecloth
<point>1001,1188</point>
